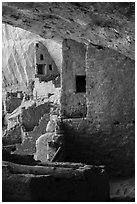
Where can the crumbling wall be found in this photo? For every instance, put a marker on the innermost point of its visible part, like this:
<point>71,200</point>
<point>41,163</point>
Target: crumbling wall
<point>30,116</point>
<point>73,103</point>
<point>12,136</point>
<point>29,143</point>
<point>12,101</point>
<point>43,89</point>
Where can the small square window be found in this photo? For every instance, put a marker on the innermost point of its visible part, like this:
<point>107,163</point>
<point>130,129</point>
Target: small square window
<point>41,69</point>
<point>41,57</point>
<point>50,67</point>
<point>81,84</point>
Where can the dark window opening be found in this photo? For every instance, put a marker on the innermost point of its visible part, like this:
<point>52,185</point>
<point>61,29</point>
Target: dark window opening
<point>41,69</point>
<point>41,57</point>
<point>50,66</point>
<point>80,84</point>
<point>37,45</point>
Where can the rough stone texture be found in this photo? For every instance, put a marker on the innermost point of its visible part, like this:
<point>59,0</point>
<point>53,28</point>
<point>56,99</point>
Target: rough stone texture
<point>110,86</point>
<point>13,135</point>
<point>28,146</point>
<point>30,117</point>
<point>12,101</point>
<point>109,81</point>
<point>72,104</point>
<point>111,24</point>
<point>92,186</point>
<point>101,144</point>
<point>107,135</point>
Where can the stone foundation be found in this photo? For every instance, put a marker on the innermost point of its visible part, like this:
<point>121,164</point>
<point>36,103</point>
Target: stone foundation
<point>101,144</point>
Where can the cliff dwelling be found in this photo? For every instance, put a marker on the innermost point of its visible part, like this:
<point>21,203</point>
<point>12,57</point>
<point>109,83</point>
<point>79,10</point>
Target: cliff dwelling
<point>68,101</point>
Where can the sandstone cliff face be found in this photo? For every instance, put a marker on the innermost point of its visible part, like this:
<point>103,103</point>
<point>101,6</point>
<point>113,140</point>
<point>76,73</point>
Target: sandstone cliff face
<point>110,24</point>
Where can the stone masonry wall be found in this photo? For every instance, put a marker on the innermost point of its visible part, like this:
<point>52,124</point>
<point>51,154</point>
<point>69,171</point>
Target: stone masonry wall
<point>106,135</point>
<point>73,104</point>
<point>101,144</point>
<point>50,68</point>
<point>110,86</point>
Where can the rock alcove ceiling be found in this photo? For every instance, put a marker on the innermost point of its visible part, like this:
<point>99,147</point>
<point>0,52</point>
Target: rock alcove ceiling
<point>109,24</point>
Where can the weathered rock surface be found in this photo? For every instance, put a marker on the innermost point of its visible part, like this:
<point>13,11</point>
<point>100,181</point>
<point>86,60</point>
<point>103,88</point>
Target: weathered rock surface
<point>110,24</point>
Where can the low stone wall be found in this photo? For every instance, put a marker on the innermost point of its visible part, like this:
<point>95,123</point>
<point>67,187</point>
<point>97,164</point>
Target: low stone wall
<point>101,144</point>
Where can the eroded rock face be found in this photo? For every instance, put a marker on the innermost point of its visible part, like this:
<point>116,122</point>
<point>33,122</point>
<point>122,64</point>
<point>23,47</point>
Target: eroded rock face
<point>110,24</point>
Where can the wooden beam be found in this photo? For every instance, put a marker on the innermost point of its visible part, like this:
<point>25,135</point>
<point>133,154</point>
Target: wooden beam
<point>58,172</point>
